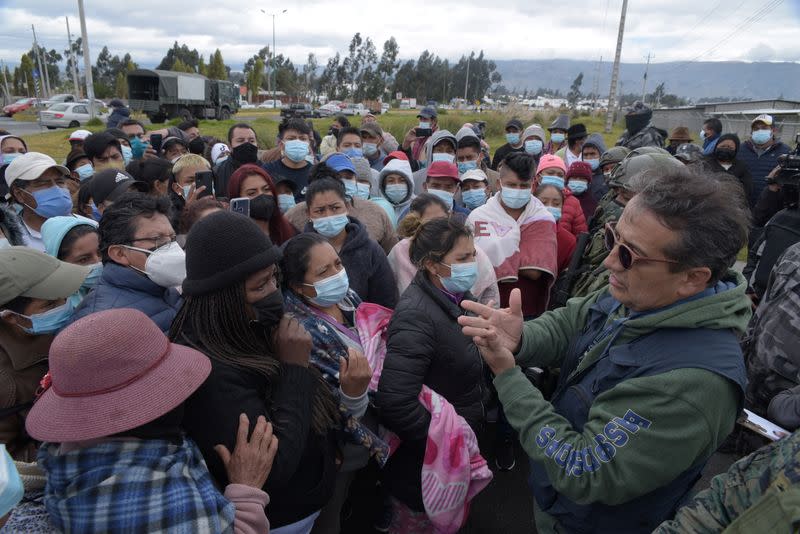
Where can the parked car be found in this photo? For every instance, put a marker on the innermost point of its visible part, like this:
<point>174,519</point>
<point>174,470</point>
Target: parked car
<point>327,110</point>
<point>20,105</point>
<point>244,104</point>
<point>355,109</point>
<point>66,115</point>
<point>298,110</point>
<point>385,108</point>
<point>59,99</point>
<point>269,104</point>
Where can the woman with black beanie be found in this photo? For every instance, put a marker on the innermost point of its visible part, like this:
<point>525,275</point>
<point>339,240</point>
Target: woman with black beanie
<point>233,313</point>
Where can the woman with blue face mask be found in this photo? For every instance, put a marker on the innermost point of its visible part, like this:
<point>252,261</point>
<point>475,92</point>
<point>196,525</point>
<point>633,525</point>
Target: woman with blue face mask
<point>317,293</point>
<point>425,347</point>
<point>553,199</point>
<point>579,181</point>
<point>75,240</point>
<point>367,268</point>
<point>34,306</point>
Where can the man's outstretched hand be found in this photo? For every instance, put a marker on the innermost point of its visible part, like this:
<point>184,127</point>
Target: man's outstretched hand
<point>497,333</point>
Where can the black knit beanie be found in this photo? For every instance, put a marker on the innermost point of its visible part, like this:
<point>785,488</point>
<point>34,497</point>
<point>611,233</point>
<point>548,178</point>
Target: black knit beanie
<point>223,249</point>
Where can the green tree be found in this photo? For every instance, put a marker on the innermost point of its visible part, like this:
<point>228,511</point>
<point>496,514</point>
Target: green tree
<point>179,66</point>
<point>216,67</point>
<point>202,68</point>
<point>188,58</point>
<point>121,85</point>
<point>575,91</point>
<point>23,77</point>
<point>255,77</point>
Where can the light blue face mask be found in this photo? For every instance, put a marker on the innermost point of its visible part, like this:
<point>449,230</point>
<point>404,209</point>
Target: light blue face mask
<point>555,212</point>
<point>11,156</point>
<point>442,156</point>
<point>330,226</point>
<point>127,154</point>
<point>474,198</point>
<point>369,149</point>
<point>424,125</point>
<point>578,187</point>
<point>515,198</point>
<point>331,290</point>
<point>446,196</point>
<point>353,153</point>
<point>51,321</point>
<point>12,489</point>
<point>553,180</point>
<point>94,276</point>
<point>533,147</point>
<point>350,188</point>
<point>286,202</point>
<point>363,191</point>
<point>512,138</point>
<point>557,138</point>
<point>464,166</point>
<point>396,192</point>
<point>594,163</point>
<point>187,189</point>
<point>85,171</point>
<point>296,150</point>
<point>761,137</point>
<point>462,277</point>
<point>52,202</point>
<point>96,213</point>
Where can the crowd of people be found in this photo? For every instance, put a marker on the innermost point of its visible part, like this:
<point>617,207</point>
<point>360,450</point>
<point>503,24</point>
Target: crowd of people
<point>197,335</point>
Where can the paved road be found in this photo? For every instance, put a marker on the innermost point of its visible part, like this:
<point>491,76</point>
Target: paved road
<point>20,128</point>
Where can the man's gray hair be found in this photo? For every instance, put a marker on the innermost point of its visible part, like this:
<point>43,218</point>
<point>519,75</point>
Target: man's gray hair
<point>708,211</point>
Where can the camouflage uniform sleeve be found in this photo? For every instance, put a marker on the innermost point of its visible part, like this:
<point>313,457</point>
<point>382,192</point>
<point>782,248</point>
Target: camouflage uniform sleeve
<point>784,409</point>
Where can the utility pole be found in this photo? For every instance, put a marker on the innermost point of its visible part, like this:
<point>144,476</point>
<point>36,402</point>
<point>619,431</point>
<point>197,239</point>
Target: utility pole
<point>596,84</point>
<point>644,82</point>
<point>87,60</point>
<point>74,65</point>
<point>466,81</point>
<point>615,72</point>
<point>39,63</point>
<point>46,77</point>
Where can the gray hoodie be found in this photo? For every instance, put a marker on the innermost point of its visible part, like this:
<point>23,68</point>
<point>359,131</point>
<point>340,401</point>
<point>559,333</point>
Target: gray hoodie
<point>403,168</point>
<point>421,175</point>
<point>596,140</point>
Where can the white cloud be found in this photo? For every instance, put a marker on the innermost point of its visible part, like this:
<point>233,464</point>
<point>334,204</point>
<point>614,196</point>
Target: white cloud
<point>674,30</point>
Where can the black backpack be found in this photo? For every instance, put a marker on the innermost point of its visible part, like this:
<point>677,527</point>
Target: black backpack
<point>780,233</point>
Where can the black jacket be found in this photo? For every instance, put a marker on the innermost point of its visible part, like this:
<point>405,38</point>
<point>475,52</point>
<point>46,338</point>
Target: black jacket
<point>304,472</point>
<point>425,346</point>
<point>738,169</point>
<point>502,152</point>
<point>368,270</point>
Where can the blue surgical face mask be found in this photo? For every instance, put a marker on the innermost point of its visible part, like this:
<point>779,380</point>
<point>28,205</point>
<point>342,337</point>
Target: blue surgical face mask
<point>512,138</point>
<point>350,187</point>
<point>396,192</point>
<point>557,138</point>
<point>578,187</point>
<point>462,277</point>
<point>424,125</point>
<point>553,180</point>
<point>363,191</point>
<point>138,147</point>
<point>464,166</point>
<point>594,163</point>
<point>369,149</point>
<point>96,213</point>
<point>474,198</point>
<point>127,154</point>
<point>702,134</point>
<point>52,202</point>
<point>85,171</point>
<point>11,156</point>
<point>296,150</point>
<point>515,198</point>
<point>762,136</point>
<point>330,226</point>
<point>13,490</point>
<point>533,147</point>
<point>446,196</point>
<point>331,290</point>
<point>442,156</point>
<point>94,276</point>
<point>353,153</point>
<point>286,202</point>
<point>51,321</point>
<point>4,243</point>
<point>187,190</point>
<point>555,212</point>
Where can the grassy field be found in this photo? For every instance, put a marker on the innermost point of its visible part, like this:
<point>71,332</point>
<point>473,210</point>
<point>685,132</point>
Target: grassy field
<point>265,123</point>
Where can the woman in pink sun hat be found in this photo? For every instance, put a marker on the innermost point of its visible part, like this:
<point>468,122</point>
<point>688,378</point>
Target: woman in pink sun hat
<point>114,453</point>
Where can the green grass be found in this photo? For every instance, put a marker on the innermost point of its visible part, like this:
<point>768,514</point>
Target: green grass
<point>397,122</point>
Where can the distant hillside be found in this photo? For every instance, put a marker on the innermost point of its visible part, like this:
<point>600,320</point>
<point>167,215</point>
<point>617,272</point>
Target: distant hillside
<point>692,80</point>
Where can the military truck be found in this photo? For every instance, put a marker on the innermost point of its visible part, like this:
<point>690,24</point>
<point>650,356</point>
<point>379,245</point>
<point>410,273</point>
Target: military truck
<point>164,94</point>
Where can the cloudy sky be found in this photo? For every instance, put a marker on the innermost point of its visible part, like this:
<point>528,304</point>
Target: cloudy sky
<point>764,30</point>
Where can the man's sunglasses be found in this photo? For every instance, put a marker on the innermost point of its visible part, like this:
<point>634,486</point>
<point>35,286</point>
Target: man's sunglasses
<point>627,257</point>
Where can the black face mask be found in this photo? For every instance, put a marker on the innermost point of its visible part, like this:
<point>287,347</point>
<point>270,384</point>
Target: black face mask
<point>245,153</point>
<point>197,146</point>
<point>262,207</point>
<point>725,154</point>
<point>269,310</point>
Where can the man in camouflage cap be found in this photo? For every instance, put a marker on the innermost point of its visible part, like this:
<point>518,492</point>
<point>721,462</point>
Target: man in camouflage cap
<point>639,131</point>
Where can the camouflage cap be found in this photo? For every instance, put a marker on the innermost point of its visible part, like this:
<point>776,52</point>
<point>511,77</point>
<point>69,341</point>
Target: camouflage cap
<point>636,164</point>
<point>614,155</point>
<point>689,152</point>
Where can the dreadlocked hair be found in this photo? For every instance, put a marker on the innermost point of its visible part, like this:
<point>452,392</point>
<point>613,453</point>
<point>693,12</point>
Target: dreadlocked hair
<point>228,334</point>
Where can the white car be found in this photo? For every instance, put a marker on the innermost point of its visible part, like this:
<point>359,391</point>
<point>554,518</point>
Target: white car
<point>59,99</point>
<point>355,109</point>
<point>269,104</point>
<point>66,115</point>
<point>327,110</point>
<point>247,105</point>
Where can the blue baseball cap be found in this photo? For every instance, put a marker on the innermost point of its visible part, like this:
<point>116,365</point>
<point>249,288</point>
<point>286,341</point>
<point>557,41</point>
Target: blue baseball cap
<point>427,112</point>
<point>339,162</point>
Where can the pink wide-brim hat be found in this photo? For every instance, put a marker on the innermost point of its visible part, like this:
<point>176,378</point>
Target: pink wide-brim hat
<point>110,372</point>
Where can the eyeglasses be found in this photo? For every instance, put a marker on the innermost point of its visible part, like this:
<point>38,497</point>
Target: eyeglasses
<point>159,241</point>
<point>627,257</point>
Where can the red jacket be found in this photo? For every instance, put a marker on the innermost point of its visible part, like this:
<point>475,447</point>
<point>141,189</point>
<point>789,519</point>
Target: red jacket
<point>572,218</point>
<point>566,247</point>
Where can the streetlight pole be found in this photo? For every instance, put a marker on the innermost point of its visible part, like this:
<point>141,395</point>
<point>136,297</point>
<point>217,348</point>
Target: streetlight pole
<point>87,60</point>
<point>272,67</point>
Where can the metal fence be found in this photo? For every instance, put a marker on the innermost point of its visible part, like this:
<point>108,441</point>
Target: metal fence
<point>788,123</point>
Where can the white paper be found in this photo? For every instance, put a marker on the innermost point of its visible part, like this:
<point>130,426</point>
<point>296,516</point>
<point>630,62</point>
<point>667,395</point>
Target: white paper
<point>761,426</point>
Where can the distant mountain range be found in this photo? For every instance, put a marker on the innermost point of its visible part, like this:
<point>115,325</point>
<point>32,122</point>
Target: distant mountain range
<point>729,79</point>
